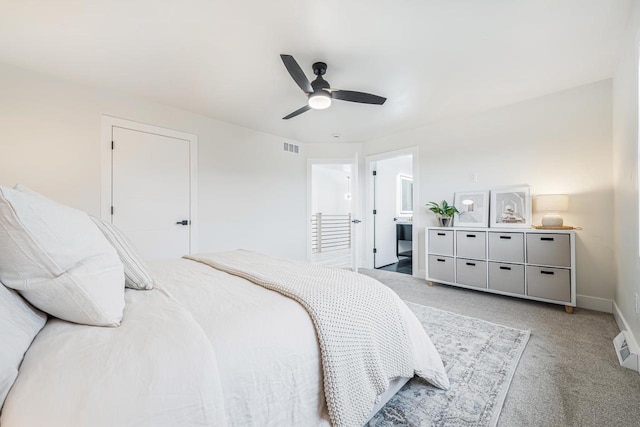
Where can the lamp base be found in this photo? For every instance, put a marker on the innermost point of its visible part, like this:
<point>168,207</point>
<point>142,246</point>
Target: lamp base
<point>552,220</point>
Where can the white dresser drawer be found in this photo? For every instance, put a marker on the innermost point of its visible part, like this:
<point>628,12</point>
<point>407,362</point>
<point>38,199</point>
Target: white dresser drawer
<point>549,249</point>
<point>471,244</point>
<point>471,272</point>
<point>441,242</point>
<point>441,268</point>
<point>549,283</point>
<point>506,247</point>
<point>506,277</point>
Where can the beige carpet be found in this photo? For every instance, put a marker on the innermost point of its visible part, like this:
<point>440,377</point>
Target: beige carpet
<point>568,375</point>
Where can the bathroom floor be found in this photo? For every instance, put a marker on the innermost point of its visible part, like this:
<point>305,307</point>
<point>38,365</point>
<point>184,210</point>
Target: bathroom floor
<point>403,266</point>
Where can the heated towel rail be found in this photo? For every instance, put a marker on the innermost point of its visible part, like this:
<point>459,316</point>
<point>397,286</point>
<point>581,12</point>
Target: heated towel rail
<point>330,233</point>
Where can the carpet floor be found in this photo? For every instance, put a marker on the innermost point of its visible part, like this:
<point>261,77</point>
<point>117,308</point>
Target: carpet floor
<point>568,374</point>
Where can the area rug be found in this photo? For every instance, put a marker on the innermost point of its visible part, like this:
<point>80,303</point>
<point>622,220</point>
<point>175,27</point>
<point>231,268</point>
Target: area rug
<point>480,358</point>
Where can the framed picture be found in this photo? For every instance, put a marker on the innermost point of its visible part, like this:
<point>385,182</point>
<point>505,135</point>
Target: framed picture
<point>473,207</point>
<point>511,207</point>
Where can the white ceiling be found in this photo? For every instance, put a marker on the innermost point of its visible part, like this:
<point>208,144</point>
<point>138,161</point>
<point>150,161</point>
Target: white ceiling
<point>220,58</point>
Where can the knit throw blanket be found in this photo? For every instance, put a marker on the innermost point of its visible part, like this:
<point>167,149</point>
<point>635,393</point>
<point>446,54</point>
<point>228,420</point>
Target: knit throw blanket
<point>362,335</point>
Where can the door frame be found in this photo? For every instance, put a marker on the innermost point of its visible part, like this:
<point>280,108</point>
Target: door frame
<point>355,202</point>
<point>369,220</point>
<point>108,123</point>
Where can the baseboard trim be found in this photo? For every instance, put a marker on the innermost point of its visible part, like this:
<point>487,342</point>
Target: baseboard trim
<point>624,326</point>
<point>583,301</point>
<point>595,303</point>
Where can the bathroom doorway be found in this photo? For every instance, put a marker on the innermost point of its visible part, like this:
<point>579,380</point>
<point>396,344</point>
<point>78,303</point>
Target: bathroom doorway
<point>392,191</point>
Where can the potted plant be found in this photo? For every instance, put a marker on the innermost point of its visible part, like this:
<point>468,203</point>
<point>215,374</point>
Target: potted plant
<point>444,211</point>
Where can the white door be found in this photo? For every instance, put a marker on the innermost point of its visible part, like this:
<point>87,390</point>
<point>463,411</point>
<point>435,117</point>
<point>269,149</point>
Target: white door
<point>387,205</point>
<point>151,192</point>
<point>384,207</point>
<point>332,218</point>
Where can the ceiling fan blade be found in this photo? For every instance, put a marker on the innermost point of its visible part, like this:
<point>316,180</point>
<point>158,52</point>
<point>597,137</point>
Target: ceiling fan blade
<point>296,73</point>
<point>297,112</point>
<point>361,97</point>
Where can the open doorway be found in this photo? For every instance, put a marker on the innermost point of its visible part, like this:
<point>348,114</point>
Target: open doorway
<point>392,198</point>
<point>332,221</point>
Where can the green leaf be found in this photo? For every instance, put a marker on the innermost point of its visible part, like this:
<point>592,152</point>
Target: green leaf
<point>442,209</point>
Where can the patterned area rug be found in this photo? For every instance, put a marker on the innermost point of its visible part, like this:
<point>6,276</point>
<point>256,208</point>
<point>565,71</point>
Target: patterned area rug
<point>480,358</point>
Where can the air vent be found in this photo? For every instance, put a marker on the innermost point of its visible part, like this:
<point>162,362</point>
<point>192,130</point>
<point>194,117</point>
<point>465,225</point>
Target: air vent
<point>292,148</point>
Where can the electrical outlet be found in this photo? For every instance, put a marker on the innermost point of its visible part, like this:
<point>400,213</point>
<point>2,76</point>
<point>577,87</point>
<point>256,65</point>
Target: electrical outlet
<point>635,302</point>
<point>473,177</point>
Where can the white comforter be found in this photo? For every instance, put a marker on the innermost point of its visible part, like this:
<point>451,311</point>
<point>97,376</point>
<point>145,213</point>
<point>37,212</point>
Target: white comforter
<point>157,369</point>
<point>227,352</point>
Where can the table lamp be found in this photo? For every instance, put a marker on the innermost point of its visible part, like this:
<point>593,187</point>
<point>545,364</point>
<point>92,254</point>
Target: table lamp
<point>552,205</point>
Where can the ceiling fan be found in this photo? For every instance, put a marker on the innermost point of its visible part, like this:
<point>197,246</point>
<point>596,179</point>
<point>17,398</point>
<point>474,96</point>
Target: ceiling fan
<point>319,92</point>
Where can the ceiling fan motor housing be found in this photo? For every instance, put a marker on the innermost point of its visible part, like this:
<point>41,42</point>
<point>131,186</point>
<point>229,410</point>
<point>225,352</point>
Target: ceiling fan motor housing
<point>319,83</point>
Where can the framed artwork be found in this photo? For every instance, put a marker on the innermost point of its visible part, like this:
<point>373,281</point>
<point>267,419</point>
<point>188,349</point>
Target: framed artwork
<point>473,208</point>
<point>511,207</point>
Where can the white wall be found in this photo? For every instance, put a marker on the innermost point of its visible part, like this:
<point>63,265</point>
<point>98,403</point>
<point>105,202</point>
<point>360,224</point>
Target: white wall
<point>252,194</point>
<point>625,166</point>
<point>560,143</point>
<point>330,183</point>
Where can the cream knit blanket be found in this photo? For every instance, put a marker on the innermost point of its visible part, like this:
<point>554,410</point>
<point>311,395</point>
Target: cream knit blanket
<point>362,335</point>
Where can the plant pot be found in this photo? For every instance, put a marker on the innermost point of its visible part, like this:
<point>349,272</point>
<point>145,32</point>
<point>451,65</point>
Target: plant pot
<point>444,221</point>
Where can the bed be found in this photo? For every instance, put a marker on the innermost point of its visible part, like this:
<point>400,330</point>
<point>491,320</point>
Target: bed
<point>204,347</point>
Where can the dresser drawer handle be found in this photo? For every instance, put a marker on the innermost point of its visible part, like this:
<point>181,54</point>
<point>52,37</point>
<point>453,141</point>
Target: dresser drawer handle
<point>546,272</point>
<point>472,264</point>
<point>505,268</point>
<point>547,239</point>
<point>440,260</point>
<point>441,234</point>
<point>471,235</point>
<point>506,237</point>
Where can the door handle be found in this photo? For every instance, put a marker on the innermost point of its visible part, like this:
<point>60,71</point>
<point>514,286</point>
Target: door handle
<point>356,221</point>
<point>183,222</point>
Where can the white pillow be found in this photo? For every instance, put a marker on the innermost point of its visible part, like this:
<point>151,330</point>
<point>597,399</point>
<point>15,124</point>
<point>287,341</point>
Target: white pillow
<point>19,324</point>
<point>136,273</point>
<point>57,259</point>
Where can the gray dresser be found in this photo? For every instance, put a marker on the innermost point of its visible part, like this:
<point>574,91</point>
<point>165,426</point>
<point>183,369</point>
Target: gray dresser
<point>525,263</point>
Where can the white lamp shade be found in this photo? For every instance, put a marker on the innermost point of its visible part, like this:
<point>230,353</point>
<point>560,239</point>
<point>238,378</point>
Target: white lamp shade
<point>552,203</point>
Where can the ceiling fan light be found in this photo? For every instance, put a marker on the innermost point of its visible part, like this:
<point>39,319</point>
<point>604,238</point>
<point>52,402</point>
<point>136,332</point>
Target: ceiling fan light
<point>319,100</point>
